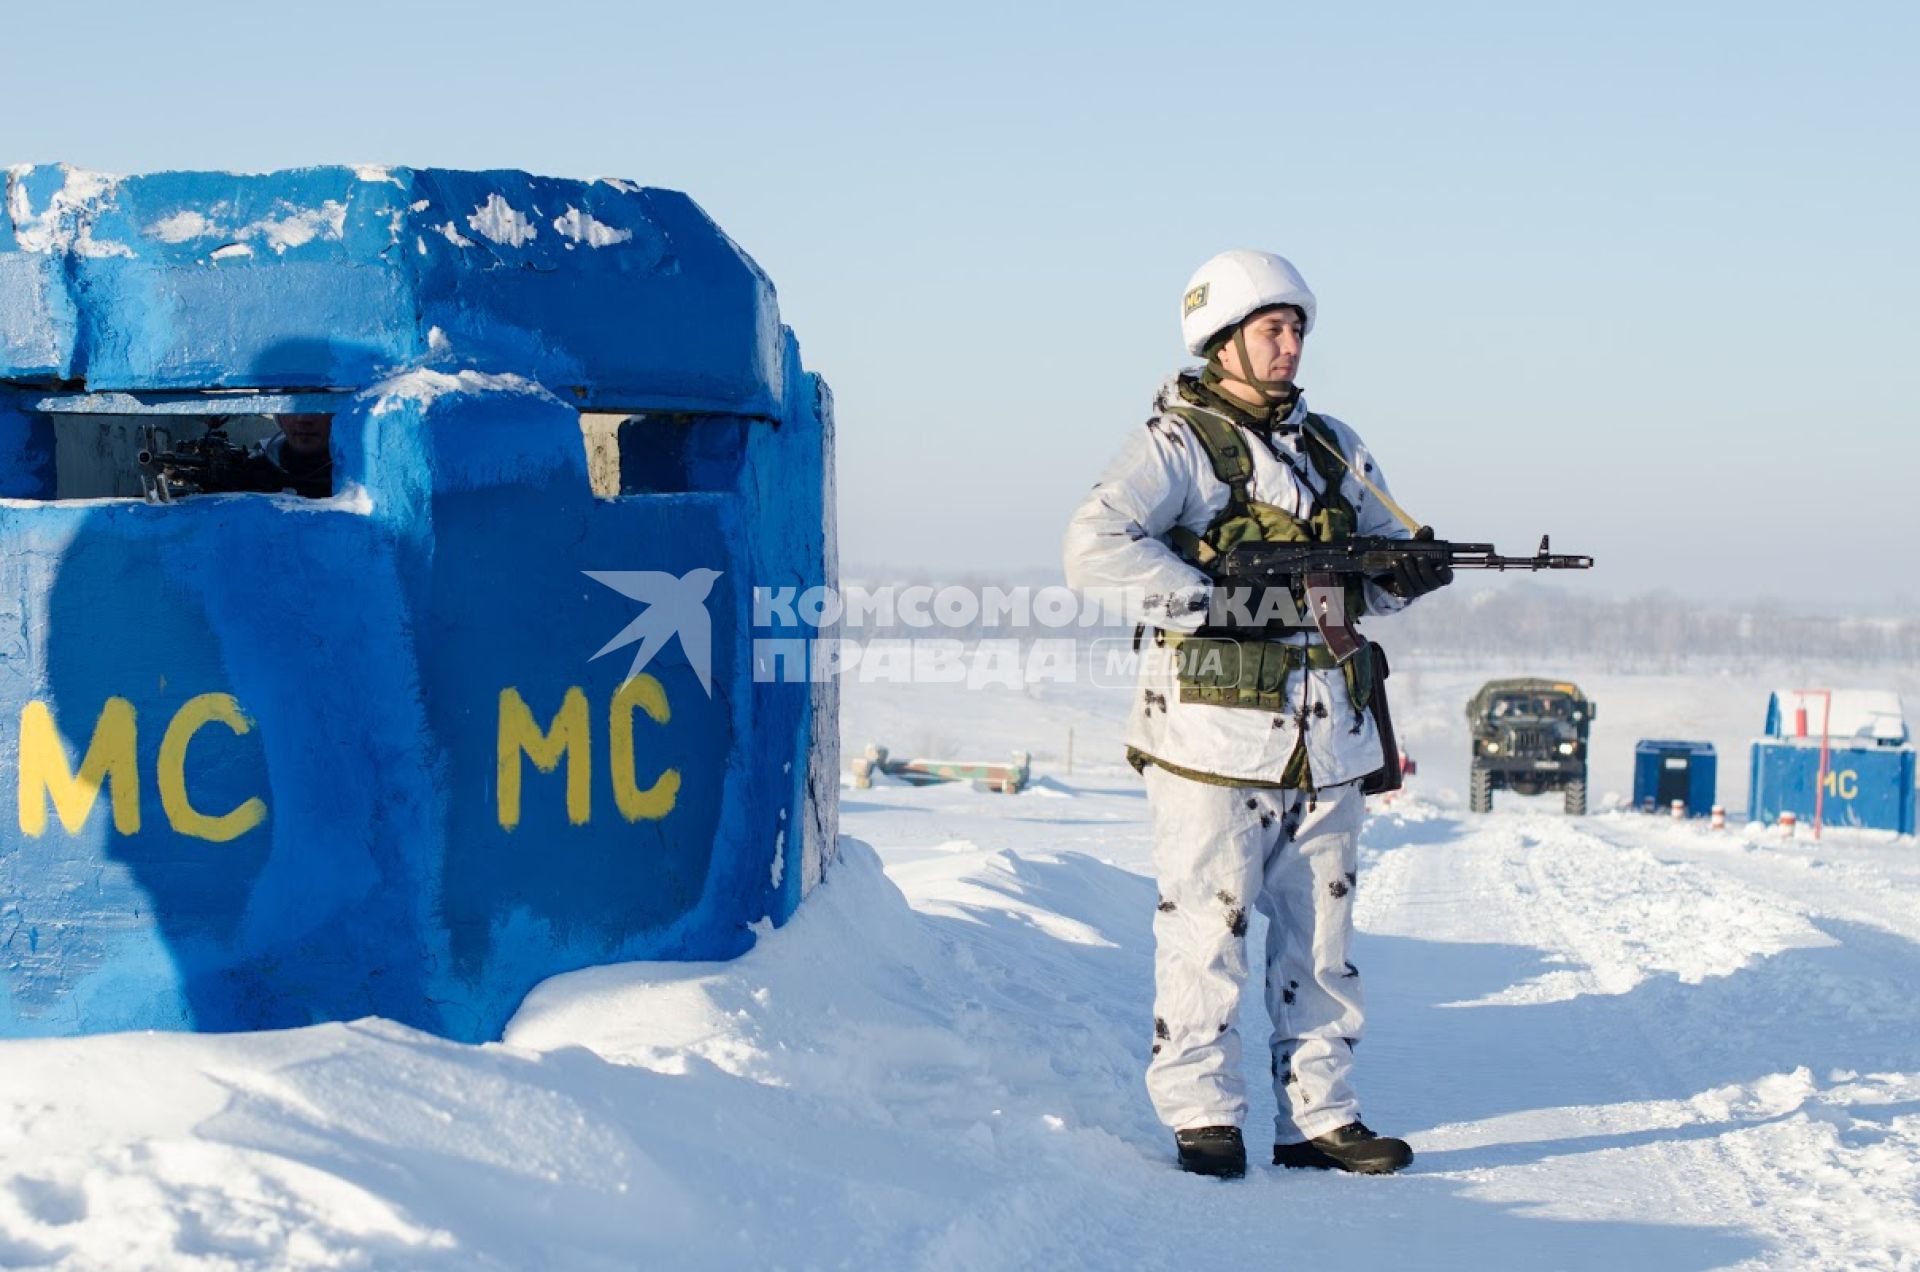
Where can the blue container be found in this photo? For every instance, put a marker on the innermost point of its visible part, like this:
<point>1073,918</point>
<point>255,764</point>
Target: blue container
<point>279,760</point>
<point>1867,786</point>
<point>1664,771</point>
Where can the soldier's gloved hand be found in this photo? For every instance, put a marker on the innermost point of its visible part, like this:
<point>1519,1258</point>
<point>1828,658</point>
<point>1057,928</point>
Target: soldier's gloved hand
<point>1416,576</point>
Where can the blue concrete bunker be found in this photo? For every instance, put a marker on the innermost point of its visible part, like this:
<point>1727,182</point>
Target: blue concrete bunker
<point>274,758</point>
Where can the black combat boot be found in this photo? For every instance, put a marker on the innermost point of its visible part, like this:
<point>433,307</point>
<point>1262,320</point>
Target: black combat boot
<point>1352,1147</point>
<point>1212,1150</point>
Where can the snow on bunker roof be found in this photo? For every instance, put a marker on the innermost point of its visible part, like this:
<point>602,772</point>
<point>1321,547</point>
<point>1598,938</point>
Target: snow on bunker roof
<point>1871,716</point>
<point>334,278</point>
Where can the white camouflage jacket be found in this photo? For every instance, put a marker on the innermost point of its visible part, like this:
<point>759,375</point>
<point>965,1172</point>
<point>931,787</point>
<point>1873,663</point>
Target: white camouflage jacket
<point>1117,539</point>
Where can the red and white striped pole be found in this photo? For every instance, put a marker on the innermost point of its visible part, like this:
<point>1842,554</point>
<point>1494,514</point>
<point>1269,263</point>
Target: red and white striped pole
<point>1787,821</point>
<point>1719,821</point>
<point>1826,764</point>
<point>1826,725</point>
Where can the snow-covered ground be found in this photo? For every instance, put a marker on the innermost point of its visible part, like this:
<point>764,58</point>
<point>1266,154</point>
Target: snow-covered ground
<point>1614,1042</point>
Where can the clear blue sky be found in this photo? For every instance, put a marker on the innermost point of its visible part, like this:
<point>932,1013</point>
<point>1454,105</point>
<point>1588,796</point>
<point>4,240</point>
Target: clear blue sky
<point>1644,275</point>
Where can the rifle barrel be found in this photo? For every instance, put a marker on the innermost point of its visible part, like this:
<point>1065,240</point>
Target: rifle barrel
<point>1552,561</point>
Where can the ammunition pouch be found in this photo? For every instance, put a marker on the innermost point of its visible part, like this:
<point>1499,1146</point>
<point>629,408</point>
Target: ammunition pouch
<point>1365,670</point>
<point>1219,669</point>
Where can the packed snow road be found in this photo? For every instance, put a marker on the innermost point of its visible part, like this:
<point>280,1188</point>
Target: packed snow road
<point>1614,1041</point>
<point>1622,1022</point>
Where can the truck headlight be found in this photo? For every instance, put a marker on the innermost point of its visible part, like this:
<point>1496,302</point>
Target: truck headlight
<point>1566,748</point>
<point>1493,748</point>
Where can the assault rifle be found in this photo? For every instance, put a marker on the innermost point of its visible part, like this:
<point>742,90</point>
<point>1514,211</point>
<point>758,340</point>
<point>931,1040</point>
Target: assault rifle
<point>1373,555</point>
<point>209,464</point>
<point>1319,568</point>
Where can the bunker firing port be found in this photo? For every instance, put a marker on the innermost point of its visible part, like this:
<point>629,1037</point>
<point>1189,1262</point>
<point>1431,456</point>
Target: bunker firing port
<point>97,440</point>
<point>657,452</point>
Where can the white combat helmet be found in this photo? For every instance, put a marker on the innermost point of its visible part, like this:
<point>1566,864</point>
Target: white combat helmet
<point>1234,284</point>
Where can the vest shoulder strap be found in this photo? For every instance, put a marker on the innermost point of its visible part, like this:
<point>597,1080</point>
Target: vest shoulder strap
<point>1225,449</point>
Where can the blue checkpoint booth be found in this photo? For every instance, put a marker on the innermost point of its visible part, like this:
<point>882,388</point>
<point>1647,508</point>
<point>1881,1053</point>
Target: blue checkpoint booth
<point>275,760</point>
<point>1665,771</point>
<point>1870,774</point>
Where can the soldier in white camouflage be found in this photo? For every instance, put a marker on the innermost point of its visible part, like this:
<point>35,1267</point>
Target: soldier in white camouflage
<point>1253,740</point>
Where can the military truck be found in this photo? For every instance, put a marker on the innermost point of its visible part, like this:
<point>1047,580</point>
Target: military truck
<point>1529,736</point>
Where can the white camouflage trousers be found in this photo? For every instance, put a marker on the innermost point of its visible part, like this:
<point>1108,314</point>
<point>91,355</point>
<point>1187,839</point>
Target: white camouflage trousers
<point>1216,850</point>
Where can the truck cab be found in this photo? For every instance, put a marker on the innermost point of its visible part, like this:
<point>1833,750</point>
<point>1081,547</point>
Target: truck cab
<point>1529,736</point>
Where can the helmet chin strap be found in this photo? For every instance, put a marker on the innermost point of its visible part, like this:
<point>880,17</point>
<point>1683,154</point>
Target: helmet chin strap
<point>1272,390</point>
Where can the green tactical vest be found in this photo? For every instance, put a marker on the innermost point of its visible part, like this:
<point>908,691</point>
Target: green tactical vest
<point>1244,519</point>
<point>1247,519</point>
<point>1242,669</point>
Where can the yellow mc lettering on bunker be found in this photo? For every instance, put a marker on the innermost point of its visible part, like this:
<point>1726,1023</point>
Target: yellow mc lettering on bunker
<point>196,713</point>
<point>569,737</point>
<point>646,693</point>
<point>45,773</point>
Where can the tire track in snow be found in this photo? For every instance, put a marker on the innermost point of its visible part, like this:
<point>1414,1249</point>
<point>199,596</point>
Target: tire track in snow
<point>1658,978</point>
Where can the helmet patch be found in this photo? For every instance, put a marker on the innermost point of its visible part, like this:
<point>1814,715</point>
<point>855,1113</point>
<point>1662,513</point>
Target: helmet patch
<point>1194,300</point>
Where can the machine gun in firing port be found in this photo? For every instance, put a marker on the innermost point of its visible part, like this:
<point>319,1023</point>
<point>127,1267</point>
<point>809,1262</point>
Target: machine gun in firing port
<point>210,464</point>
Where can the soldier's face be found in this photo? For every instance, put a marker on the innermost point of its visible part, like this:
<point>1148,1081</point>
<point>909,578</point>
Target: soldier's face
<point>306,434</point>
<point>1273,345</point>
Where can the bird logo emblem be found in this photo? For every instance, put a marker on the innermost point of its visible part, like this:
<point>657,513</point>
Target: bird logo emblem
<point>676,605</point>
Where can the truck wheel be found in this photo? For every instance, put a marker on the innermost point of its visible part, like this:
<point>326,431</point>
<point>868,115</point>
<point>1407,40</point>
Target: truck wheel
<point>1480,791</point>
<point>1577,796</point>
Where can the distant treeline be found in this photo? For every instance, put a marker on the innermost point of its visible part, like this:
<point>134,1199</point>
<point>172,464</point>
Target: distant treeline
<point>1656,632</point>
